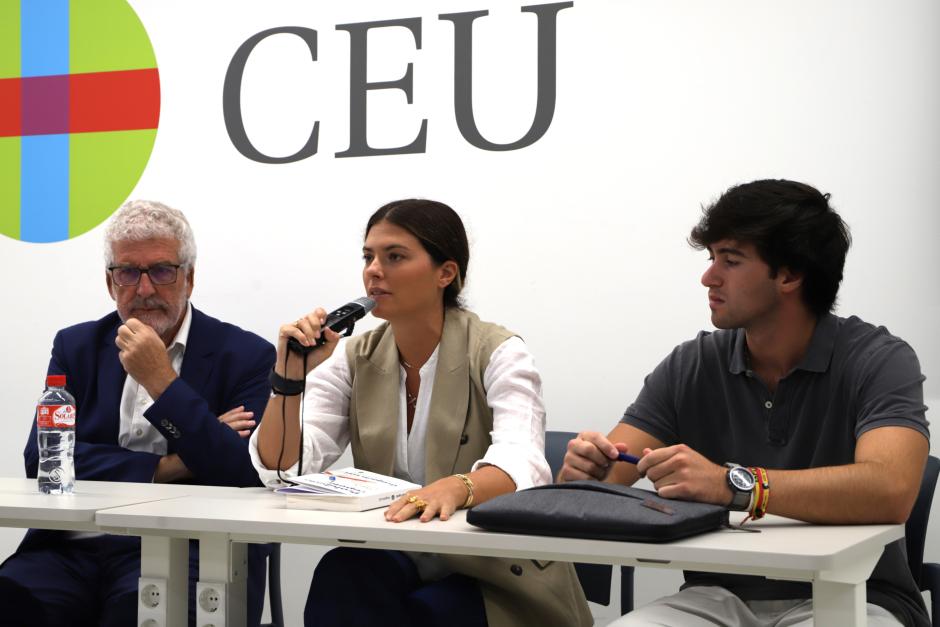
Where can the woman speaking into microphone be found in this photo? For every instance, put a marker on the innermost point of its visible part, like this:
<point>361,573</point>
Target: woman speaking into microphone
<point>434,396</point>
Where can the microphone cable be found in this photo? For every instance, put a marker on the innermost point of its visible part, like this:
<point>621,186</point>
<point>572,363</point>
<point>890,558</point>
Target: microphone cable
<point>300,452</point>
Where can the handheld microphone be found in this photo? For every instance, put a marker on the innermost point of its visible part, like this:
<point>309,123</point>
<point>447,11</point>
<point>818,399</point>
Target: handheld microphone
<point>343,320</point>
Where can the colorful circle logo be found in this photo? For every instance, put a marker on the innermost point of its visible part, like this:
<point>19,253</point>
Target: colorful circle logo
<point>79,106</point>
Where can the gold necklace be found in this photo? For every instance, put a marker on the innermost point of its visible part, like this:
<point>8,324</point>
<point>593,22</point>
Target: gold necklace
<point>411,400</point>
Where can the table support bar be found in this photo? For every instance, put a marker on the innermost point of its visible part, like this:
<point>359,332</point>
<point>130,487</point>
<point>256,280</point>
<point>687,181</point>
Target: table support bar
<point>222,590</point>
<point>164,574</point>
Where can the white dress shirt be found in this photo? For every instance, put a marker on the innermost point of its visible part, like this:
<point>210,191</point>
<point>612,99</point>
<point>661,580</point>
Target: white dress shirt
<point>513,392</point>
<point>136,433</point>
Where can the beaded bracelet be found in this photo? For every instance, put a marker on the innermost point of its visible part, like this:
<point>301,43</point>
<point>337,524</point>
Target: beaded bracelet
<point>467,481</point>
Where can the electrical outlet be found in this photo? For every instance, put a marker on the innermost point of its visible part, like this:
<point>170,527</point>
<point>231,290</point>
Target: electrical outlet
<point>210,599</point>
<point>151,602</point>
<point>150,595</point>
<point>210,604</point>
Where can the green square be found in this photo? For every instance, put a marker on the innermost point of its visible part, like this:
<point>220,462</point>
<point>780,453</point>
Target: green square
<point>104,169</point>
<point>10,39</point>
<point>106,36</point>
<point>10,186</point>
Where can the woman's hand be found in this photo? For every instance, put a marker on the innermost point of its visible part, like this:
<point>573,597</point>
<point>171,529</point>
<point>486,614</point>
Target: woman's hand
<point>305,330</point>
<point>441,498</point>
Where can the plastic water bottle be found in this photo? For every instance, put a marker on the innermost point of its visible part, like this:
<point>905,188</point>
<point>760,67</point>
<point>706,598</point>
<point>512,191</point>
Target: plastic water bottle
<point>55,428</point>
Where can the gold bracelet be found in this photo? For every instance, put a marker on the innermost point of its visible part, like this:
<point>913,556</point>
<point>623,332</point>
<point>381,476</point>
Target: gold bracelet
<point>467,481</point>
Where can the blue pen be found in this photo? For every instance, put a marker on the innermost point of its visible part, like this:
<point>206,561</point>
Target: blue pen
<point>626,457</point>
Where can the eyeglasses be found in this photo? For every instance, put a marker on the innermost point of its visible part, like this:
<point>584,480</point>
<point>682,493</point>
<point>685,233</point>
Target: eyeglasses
<point>160,274</point>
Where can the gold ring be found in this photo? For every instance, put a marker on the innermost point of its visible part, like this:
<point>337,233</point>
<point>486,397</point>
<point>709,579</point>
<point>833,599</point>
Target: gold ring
<point>419,504</point>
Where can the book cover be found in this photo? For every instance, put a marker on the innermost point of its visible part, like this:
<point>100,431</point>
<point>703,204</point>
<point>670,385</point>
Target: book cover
<point>345,489</point>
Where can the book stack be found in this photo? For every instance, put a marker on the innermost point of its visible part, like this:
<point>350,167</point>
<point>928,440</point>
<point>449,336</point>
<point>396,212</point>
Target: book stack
<point>346,490</point>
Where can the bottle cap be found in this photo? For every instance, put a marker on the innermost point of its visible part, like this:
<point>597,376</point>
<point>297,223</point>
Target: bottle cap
<point>55,381</point>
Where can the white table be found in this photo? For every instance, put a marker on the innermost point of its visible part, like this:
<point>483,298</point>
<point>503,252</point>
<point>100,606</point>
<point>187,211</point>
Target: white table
<point>836,559</point>
<point>22,505</point>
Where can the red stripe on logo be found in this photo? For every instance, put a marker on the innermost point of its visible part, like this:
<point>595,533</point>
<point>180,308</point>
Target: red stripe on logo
<point>11,107</point>
<point>114,101</point>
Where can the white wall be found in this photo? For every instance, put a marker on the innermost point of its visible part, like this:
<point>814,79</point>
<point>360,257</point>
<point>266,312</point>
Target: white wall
<point>579,239</point>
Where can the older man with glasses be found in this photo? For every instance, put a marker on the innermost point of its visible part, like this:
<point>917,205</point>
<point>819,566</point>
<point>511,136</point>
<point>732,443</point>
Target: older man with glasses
<point>164,393</point>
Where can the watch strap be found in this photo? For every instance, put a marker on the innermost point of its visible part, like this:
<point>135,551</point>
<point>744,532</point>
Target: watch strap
<point>740,500</point>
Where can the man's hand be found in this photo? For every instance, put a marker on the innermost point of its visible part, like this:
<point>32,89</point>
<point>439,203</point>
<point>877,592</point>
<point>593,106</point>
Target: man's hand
<point>239,420</point>
<point>678,472</point>
<point>590,456</point>
<point>171,468</point>
<point>144,357</point>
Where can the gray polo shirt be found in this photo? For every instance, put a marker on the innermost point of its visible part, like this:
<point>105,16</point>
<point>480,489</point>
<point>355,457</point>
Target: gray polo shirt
<point>853,378</point>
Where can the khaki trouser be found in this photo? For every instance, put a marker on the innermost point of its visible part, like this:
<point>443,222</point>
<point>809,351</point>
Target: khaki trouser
<point>707,606</point>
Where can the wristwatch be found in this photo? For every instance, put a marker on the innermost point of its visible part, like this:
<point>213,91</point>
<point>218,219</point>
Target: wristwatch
<point>741,481</point>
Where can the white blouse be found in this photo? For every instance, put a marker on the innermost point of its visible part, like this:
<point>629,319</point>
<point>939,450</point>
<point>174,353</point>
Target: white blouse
<point>513,392</point>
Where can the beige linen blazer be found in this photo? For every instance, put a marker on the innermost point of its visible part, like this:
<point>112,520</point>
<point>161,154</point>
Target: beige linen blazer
<point>516,592</point>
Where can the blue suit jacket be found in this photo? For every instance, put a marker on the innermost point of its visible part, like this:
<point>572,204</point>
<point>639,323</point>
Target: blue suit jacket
<point>223,367</point>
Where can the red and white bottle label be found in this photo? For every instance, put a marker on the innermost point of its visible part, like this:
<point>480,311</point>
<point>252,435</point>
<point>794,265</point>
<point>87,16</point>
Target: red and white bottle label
<point>55,416</point>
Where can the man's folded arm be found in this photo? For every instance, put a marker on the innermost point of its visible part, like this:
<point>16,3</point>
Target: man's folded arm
<point>99,462</point>
<point>211,450</point>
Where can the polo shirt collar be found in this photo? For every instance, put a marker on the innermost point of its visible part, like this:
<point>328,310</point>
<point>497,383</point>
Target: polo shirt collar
<point>817,356</point>
<point>739,353</point>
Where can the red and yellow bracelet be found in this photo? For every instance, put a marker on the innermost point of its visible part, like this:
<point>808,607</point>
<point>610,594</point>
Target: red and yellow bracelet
<point>761,494</point>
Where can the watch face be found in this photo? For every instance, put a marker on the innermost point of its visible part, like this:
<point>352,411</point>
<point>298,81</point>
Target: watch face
<point>741,478</point>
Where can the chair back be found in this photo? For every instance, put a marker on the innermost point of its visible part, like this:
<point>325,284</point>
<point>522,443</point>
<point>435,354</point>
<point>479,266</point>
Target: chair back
<point>915,531</point>
<point>595,578</point>
<point>556,444</point>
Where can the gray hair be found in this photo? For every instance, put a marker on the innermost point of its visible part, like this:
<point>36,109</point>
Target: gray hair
<point>146,219</point>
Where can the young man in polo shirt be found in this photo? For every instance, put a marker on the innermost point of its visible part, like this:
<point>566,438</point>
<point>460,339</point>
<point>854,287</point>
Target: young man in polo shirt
<point>825,414</point>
